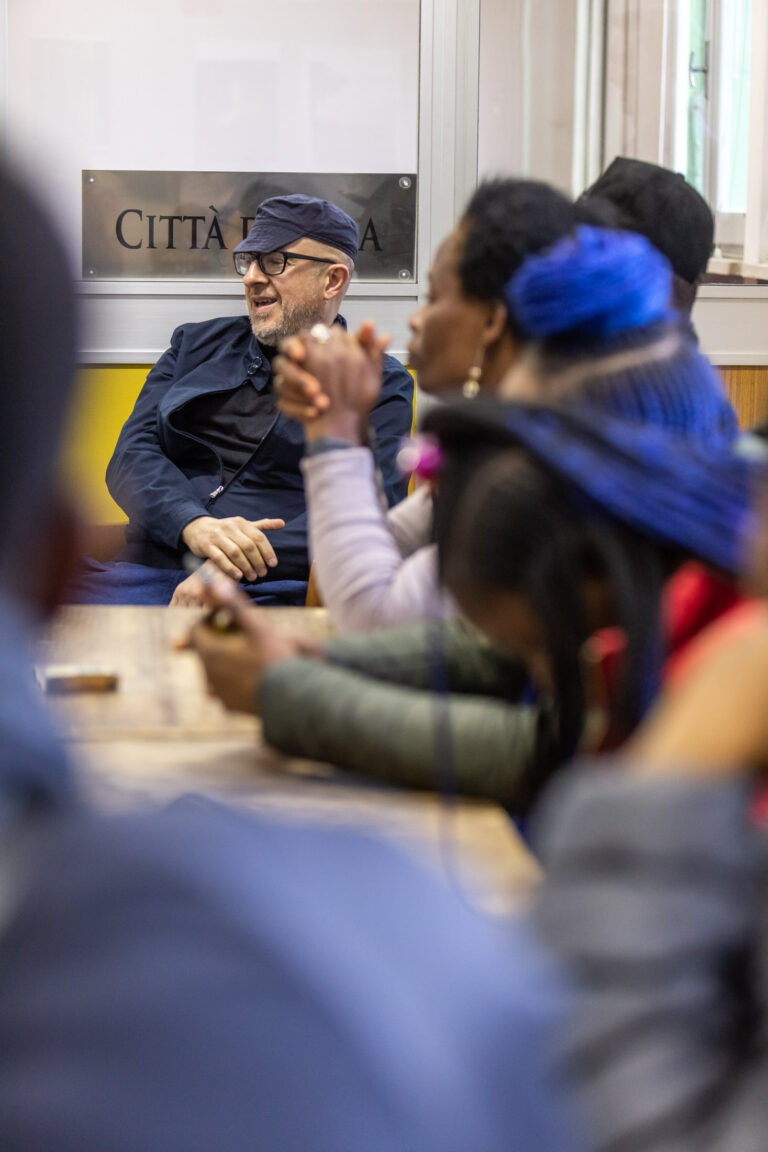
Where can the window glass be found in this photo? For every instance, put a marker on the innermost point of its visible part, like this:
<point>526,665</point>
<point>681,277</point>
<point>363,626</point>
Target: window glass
<point>733,100</point>
<point>263,86</point>
<point>690,101</point>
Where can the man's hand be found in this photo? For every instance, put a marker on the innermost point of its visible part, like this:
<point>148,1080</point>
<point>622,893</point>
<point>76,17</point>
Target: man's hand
<point>238,547</point>
<point>330,386</point>
<point>235,661</point>
<point>191,592</point>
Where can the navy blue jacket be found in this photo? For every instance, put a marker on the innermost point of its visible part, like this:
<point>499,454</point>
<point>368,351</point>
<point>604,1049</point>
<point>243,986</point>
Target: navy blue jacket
<point>163,477</point>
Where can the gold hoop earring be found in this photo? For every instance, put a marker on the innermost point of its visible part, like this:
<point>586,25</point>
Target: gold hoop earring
<point>471,385</point>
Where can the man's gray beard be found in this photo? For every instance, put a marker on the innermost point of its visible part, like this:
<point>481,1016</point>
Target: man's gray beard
<point>294,319</point>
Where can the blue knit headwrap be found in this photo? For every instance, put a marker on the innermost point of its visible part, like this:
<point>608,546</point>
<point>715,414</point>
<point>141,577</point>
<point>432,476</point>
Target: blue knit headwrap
<point>606,293</point>
<point>686,494</point>
<point>595,281</point>
<point>679,391</point>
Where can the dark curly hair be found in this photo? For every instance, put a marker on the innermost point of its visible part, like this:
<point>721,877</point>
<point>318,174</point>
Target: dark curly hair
<point>36,382</point>
<point>508,220</point>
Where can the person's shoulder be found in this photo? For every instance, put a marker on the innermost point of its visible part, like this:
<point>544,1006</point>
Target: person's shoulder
<point>200,862</point>
<point>202,850</point>
<point>208,940</point>
<point>393,365</point>
<point>201,333</point>
<point>395,375</point>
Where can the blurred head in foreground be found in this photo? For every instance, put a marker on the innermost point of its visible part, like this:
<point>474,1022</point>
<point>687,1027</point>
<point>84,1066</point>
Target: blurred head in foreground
<point>37,356</point>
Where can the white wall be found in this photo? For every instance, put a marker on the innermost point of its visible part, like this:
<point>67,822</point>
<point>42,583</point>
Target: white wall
<point>239,85</point>
<point>236,85</point>
<point>528,67</point>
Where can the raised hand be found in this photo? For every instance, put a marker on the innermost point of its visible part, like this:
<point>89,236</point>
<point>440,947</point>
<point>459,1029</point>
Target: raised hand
<point>331,382</point>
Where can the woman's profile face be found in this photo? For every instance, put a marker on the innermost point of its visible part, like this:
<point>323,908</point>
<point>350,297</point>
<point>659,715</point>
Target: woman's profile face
<point>447,331</point>
<point>508,620</point>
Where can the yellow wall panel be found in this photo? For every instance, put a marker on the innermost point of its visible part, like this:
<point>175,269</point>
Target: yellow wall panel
<point>104,397</point>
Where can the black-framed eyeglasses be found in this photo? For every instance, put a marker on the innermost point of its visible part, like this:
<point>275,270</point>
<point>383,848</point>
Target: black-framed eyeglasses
<point>272,263</point>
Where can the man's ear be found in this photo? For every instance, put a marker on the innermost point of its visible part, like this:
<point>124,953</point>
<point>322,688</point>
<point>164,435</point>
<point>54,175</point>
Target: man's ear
<point>336,280</point>
<point>49,573</point>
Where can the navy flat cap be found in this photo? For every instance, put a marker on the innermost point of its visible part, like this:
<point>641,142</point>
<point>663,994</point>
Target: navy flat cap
<point>283,219</point>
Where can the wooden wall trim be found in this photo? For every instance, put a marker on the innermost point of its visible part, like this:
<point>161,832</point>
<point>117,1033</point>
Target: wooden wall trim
<point>747,390</point>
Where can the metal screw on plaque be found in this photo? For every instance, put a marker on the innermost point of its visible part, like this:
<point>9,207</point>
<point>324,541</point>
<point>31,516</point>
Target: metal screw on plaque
<point>404,274</point>
<point>405,182</point>
<point>91,271</point>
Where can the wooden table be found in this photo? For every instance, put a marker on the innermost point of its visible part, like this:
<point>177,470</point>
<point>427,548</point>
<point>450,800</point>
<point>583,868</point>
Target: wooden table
<point>160,735</point>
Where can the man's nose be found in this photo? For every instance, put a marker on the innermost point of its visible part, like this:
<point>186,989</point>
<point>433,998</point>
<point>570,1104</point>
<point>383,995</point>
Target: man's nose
<point>254,275</point>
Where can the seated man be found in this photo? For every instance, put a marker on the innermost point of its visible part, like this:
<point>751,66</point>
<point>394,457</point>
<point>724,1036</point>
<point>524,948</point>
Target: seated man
<point>206,463</point>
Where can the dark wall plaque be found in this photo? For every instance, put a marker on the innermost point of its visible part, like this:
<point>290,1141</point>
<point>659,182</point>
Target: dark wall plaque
<point>184,225</point>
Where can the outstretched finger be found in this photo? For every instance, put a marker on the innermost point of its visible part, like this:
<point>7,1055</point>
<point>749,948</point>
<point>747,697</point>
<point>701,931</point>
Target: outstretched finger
<point>366,334</point>
<point>374,346</point>
<point>260,550</point>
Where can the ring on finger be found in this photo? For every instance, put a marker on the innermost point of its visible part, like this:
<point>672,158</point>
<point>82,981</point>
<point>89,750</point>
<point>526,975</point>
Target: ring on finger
<point>321,333</point>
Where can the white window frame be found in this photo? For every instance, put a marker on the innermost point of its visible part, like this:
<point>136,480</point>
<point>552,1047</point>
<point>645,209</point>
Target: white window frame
<point>730,319</point>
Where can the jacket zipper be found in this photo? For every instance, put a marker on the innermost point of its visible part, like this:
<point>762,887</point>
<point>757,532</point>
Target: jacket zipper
<point>213,496</point>
<point>208,447</point>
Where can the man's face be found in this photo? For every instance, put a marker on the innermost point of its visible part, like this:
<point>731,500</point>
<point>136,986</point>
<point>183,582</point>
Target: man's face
<point>281,306</point>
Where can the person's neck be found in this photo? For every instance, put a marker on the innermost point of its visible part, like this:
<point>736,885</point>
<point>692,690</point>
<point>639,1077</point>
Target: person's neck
<point>269,351</point>
<point>498,361</point>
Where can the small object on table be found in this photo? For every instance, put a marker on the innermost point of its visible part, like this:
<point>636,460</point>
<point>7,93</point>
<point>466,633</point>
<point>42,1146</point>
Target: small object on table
<point>221,619</point>
<point>63,679</point>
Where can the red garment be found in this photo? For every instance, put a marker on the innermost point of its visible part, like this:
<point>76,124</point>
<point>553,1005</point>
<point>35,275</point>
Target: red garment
<point>701,611</point>
<point>696,605</point>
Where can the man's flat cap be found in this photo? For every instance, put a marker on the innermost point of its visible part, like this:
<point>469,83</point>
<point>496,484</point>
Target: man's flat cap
<point>283,219</point>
